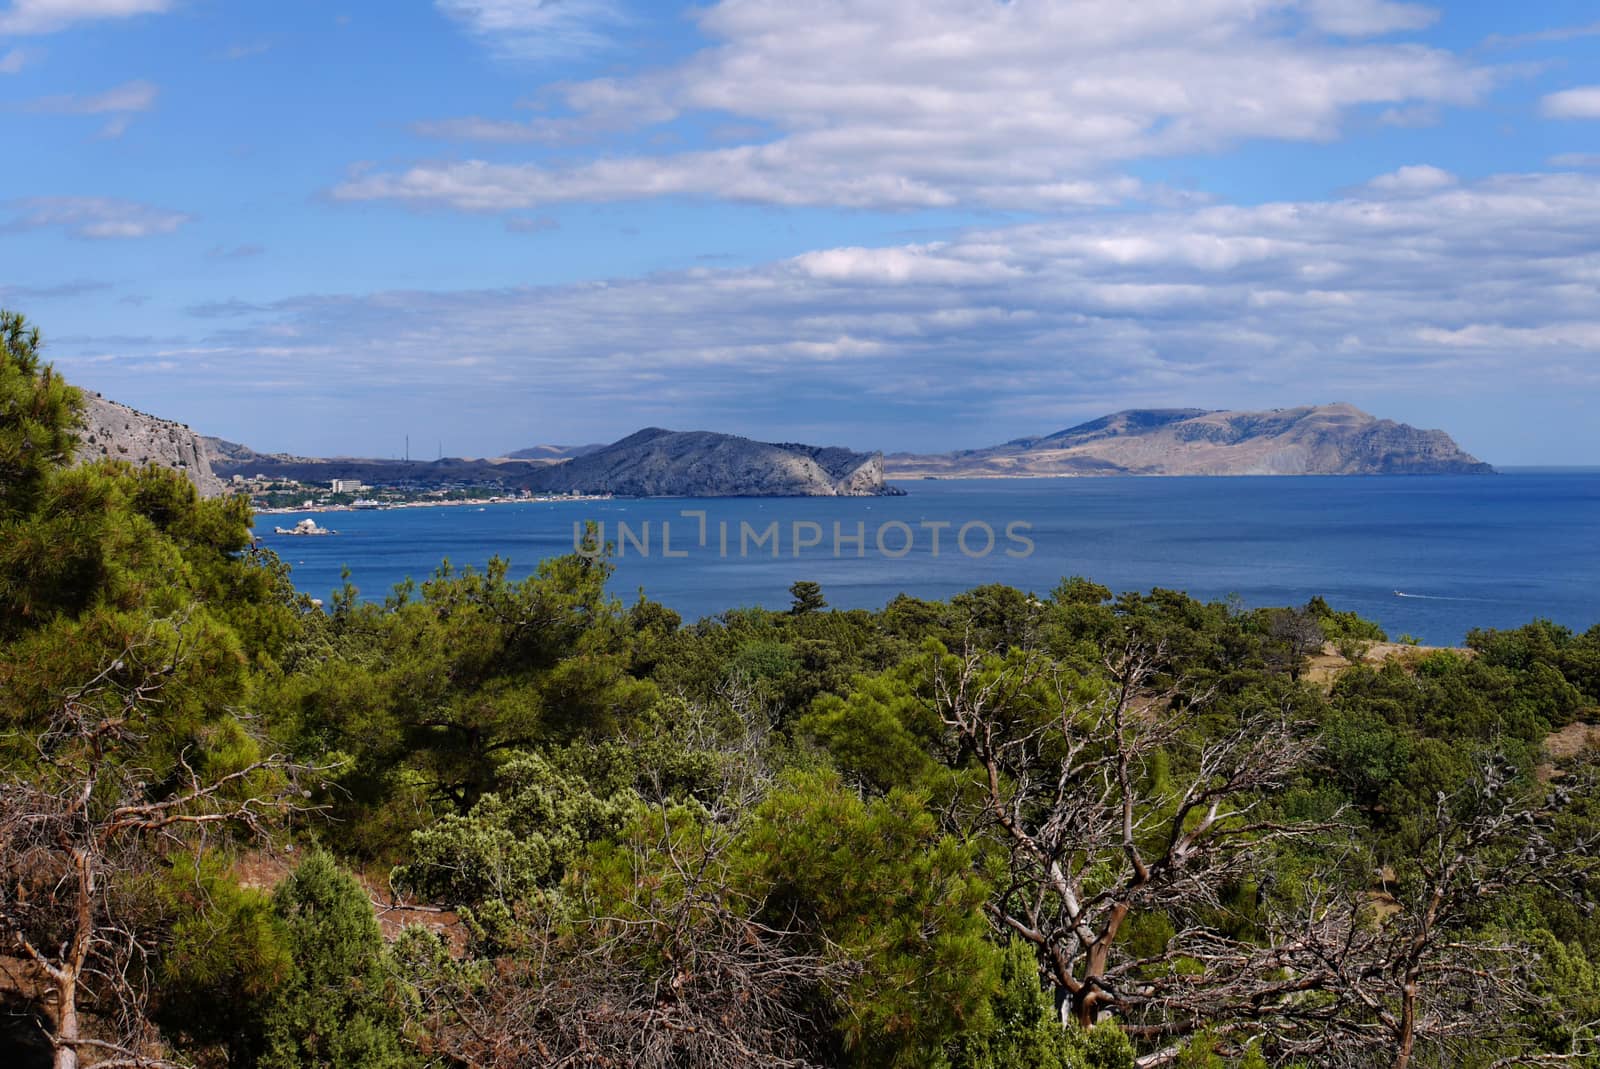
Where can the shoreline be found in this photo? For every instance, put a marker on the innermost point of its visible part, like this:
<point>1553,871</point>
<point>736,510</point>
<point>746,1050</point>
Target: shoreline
<point>486,501</point>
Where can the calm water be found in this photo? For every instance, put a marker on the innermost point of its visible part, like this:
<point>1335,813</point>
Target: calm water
<point>1470,551</point>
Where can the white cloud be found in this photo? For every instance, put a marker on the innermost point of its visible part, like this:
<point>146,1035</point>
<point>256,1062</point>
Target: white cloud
<point>13,61</point>
<point>1420,178</point>
<point>121,103</point>
<point>1460,282</point>
<point>247,50</point>
<point>534,29</point>
<point>919,103</point>
<point>132,96</point>
<point>48,16</point>
<point>910,264</point>
<point>771,174</point>
<point>501,131</point>
<point>1580,103</point>
<point>1368,18</point>
<point>96,218</point>
<point>1556,35</point>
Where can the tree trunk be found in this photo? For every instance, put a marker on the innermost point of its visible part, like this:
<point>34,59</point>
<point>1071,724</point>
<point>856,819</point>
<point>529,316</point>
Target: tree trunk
<point>67,1028</point>
<point>66,1036</point>
<point>1408,1025</point>
<point>1083,1009</point>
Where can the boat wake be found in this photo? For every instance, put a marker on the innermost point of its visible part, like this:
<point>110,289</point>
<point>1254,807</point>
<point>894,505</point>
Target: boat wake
<point>1429,597</point>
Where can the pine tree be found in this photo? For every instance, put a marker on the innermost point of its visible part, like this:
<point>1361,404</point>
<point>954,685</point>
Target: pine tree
<point>39,414</point>
<point>338,1009</point>
<point>807,598</point>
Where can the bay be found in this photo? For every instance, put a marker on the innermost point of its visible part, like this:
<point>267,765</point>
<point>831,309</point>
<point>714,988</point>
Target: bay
<point>1427,556</point>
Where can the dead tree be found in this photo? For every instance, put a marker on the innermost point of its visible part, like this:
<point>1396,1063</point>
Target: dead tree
<point>90,813</point>
<point>1430,973</point>
<point>679,973</point>
<point>1297,635</point>
<point>1092,838</point>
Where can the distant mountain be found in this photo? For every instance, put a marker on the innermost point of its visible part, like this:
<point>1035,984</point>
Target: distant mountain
<point>651,463</point>
<point>662,463</point>
<point>231,458</point>
<point>117,432</point>
<point>1337,439</point>
<point>554,452</point>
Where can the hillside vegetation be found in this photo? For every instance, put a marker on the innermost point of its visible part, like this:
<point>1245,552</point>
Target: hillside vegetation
<point>1074,831</point>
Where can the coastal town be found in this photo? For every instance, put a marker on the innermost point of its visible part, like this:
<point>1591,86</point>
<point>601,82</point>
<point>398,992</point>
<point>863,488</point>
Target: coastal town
<point>269,496</point>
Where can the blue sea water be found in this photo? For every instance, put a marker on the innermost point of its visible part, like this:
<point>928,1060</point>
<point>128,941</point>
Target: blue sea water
<point>1427,556</point>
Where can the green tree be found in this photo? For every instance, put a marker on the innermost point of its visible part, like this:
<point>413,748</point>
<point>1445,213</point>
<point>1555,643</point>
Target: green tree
<point>878,881</point>
<point>339,1007</point>
<point>807,598</point>
<point>105,802</point>
<point>224,956</point>
<point>39,414</point>
<point>1026,1033</point>
<point>513,842</point>
<point>429,697</point>
<point>884,732</point>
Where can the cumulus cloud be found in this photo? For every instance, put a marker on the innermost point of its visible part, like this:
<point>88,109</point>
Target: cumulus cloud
<point>1003,330</point>
<point>48,16</point>
<point>98,218</point>
<point>1580,103</point>
<point>1419,178</point>
<point>930,103</point>
<point>535,29</point>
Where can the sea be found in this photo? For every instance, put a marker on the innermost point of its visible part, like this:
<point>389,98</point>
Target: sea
<point>1426,556</point>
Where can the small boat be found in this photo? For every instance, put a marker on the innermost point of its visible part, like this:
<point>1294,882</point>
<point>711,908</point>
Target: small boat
<point>306,527</point>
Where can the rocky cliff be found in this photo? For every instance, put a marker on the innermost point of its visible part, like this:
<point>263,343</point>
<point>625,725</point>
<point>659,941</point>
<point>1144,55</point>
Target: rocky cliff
<point>662,463</point>
<point>121,433</point>
<point>1337,439</point>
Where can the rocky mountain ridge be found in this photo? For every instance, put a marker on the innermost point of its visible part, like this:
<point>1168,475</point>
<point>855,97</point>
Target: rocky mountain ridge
<point>116,432</point>
<point>231,458</point>
<point>650,463</point>
<point>660,463</point>
<point>554,452</point>
<point>1334,439</point>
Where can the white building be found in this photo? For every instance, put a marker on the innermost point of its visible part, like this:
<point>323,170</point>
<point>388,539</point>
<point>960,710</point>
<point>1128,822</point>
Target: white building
<point>347,486</point>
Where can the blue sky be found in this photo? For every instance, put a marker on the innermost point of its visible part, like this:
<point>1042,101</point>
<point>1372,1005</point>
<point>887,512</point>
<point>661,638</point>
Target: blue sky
<point>909,224</point>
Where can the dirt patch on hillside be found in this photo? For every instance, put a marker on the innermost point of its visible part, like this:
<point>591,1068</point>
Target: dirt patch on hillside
<point>1572,740</point>
<point>1325,667</point>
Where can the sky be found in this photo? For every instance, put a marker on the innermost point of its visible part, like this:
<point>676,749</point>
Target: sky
<point>323,227</point>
